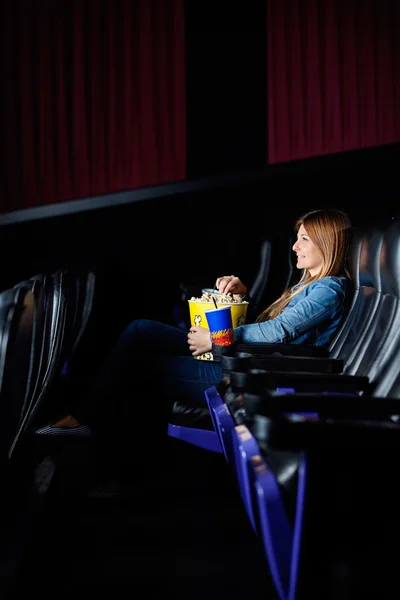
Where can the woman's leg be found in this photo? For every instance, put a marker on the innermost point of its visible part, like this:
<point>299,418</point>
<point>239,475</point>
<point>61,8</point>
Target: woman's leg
<point>130,405</point>
<point>137,425</point>
<point>123,367</point>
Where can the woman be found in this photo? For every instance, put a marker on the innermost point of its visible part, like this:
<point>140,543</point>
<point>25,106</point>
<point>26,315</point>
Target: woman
<point>152,366</point>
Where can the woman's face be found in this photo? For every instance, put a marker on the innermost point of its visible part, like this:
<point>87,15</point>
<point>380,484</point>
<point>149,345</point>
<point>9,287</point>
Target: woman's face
<point>308,256</point>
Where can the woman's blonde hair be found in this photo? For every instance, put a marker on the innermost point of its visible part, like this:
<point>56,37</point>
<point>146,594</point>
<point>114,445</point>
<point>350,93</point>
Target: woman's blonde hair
<point>330,230</point>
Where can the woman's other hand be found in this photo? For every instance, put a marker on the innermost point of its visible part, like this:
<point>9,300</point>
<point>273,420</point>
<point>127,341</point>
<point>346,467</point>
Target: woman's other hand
<point>231,284</point>
<point>199,340</point>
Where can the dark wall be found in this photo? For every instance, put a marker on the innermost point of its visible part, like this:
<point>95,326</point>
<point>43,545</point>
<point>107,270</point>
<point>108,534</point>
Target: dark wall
<point>199,234</point>
<point>226,86</point>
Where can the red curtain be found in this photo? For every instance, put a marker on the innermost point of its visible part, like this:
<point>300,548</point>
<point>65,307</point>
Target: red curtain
<point>94,98</point>
<point>333,76</point>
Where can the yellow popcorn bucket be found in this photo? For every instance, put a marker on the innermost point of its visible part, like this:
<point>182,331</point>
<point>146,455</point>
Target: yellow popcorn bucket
<point>198,317</point>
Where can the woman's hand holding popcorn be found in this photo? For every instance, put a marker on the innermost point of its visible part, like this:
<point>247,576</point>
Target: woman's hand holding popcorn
<point>230,284</point>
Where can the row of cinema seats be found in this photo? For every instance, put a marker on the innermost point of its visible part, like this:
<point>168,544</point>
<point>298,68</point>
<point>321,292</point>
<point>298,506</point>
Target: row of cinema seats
<point>302,429</point>
<point>313,438</point>
<point>42,321</point>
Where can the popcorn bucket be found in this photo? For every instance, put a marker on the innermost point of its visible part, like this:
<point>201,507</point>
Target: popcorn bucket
<point>197,310</point>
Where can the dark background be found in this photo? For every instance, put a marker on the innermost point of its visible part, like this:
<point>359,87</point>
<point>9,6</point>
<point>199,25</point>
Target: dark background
<point>226,87</point>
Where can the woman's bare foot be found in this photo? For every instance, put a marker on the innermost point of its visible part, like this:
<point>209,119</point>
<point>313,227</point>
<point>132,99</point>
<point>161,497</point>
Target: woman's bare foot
<point>67,422</point>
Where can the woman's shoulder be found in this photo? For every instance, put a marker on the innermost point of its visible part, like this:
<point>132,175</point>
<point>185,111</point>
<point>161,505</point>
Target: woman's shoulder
<point>333,280</point>
<point>338,283</point>
<point>330,281</point>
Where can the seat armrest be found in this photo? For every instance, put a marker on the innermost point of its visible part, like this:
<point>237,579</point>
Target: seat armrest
<point>337,406</point>
<point>260,380</point>
<point>285,349</point>
<point>280,362</point>
<point>287,433</point>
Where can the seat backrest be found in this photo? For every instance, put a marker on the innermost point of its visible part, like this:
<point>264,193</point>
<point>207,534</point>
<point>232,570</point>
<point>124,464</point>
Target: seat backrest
<point>380,336</point>
<point>16,340</point>
<point>68,309</point>
<point>353,261</point>
<point>274,272</point>
<point>86,283</point>
<point>54,308</point>
<point>383,354</point>
<point>66,289</point>
<point>78,294</point>
<point>37,288</point>
<point>368,301</point>
<point>43,331</point>
<point>71,291</point>
<point>367,288</point>
<point>388,383</point>
<point>55,318</point>
<point>257,289</point>
<point>53,338</point>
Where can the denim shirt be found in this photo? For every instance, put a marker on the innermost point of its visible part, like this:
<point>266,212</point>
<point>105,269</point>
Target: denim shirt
<point>312,317</point>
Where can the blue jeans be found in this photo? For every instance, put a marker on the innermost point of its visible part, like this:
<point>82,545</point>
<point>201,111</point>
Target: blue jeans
<point>149,368</point>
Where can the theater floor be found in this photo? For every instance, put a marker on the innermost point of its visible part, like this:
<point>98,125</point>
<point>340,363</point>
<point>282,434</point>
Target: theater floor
<point>183,532</point>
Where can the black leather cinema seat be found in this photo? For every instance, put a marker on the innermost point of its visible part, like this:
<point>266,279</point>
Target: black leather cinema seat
<point>378,407</point>
<point>17,371</point>
<point>52,322</point>
<point>45,329</point>
<point>346,524</point>
<point>346,517</point>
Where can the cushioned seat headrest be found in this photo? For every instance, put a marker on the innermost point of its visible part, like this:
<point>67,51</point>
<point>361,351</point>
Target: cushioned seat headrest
<point>370,275</point>
<point>390,260</point>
